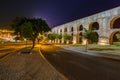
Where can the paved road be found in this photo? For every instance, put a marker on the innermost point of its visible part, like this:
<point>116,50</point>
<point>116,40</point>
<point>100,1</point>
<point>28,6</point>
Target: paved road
<point>81,67</point>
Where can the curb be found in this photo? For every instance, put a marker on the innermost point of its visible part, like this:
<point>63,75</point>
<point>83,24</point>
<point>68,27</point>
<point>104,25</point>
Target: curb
<point>97,54</point>
<point>11,52</point>
<point>51,64</point>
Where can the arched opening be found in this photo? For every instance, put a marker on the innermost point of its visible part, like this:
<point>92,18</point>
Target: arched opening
<point>80,34</point>
<point>94,26</point>
<point>72,36</point>
<point>80,37</point>
<point>80,28</point>
<point>113,37</point>
<point>65,29</point>
<point>71,41</point>
<point>115,23</point>
<point>72,29</point>
<point>60,30</point>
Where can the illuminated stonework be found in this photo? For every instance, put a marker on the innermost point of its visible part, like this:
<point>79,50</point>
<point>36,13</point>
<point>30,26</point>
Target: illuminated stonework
<point>106,24</point>
<point>4,33</point>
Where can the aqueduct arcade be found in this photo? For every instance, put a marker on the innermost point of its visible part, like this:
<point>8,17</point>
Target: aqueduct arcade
<point>105,24</point>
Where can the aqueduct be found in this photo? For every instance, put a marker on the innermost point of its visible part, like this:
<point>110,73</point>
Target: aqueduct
<point>106,25</point>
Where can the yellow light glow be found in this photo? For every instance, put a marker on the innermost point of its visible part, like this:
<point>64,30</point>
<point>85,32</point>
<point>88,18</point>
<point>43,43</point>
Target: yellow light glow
<point>103,42</point>
<point>74,41</point>
<point>84,42</point>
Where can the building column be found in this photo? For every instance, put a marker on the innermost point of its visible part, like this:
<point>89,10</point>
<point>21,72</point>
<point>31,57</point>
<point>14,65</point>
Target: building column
<point>103,41</point>
<point>75,34</point>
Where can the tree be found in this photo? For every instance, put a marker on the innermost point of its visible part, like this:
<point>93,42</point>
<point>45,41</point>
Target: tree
<point>16,25</point>
<point>51,36</point>
<point>118,36</point>
<point>36,26</point>
<point>58,36</point>
<point>67,38</point>
<point>40,37</point>
<point>26,30</point>
<point>39,25</point>
<point>89,35</point>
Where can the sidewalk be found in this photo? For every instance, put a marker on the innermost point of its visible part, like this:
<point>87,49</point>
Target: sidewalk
<point>23,66</point>
<point>104,54</point>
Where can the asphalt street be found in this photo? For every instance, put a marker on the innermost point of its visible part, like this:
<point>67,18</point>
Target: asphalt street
<point>82,66</point>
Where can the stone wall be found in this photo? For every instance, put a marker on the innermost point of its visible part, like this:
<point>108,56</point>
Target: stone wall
<point>105,20</point>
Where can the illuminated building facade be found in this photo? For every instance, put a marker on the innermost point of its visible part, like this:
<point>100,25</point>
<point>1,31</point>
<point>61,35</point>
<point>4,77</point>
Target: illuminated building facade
<point>105,24</point>
<point>5,33</point>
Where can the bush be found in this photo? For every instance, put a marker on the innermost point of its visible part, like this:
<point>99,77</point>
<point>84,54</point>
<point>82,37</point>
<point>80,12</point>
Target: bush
<point>117,44</point>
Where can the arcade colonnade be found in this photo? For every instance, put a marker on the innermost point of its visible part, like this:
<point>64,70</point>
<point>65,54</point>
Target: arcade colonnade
<point>106,25</point>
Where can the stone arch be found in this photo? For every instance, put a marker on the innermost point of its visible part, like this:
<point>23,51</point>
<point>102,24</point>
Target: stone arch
<point>94,26</point>
<point>71,41</point>
<point>65,29</point>
<point>72,29</point>
<point>60,31</point>
<point>80,37</point>
<point>115,23</point>
<point>97,37</point>
<point>80,28</point>
<point>113,37</point>
<point>80,34</point>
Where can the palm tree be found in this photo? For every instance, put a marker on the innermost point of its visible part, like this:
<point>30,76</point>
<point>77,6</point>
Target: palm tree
<point>90,36</point>
<point>67,38</point>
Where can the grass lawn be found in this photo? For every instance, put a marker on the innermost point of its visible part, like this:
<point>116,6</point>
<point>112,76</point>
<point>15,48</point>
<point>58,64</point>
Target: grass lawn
<point>112,49</point>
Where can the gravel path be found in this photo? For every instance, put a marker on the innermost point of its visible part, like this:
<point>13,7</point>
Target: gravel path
<point>27,67</point>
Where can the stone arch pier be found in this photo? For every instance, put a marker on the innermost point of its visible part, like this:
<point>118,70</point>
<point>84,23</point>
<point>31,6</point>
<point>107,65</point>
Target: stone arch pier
<point>106,25</point>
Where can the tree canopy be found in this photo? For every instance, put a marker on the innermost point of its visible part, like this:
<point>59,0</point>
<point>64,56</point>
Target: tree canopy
<point>90,35</point>
<point>118,36</point>
<point>26,30</point>
<point>67,37</point>
<point>29,27</point>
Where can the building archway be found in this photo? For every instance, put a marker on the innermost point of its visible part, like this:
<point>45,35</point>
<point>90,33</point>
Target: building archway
<point>65,29</point>
<point>72,29</point>
<point>94,26</point>
<point>115,23</point>
<point>80,37</point>
<point>80,28</point>
<point>60,30</point>
<point>113,37</point>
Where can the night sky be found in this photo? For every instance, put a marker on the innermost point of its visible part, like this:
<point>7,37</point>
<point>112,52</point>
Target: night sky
<point>55,12</point>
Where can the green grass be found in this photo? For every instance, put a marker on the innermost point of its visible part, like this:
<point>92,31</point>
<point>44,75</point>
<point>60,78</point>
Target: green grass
<point>99,47</point>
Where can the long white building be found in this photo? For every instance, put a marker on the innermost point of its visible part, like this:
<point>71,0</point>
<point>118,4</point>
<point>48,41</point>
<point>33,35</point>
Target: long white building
<point>106,25</point>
